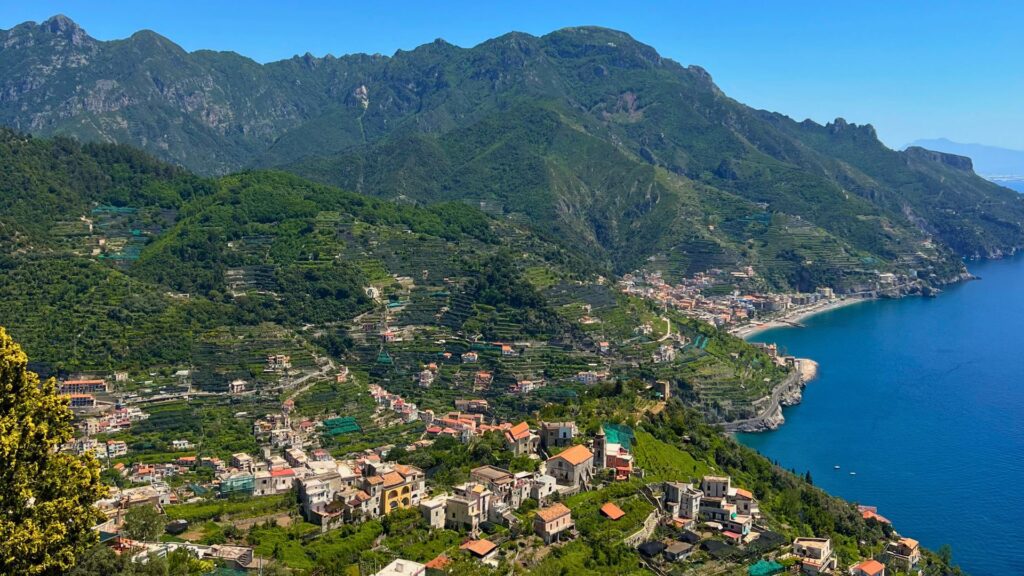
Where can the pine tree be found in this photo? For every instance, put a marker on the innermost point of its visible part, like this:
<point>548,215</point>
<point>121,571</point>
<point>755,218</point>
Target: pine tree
<point>46,497</point>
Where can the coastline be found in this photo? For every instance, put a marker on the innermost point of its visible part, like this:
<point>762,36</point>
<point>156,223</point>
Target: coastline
<point>745,331</point>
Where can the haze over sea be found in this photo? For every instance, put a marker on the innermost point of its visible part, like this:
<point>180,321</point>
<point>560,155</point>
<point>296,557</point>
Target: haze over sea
<point>924,400</point>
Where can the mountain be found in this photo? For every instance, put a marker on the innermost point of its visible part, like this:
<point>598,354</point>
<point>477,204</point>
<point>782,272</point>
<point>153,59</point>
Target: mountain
<point>586,136</point>
<point>989,161</point>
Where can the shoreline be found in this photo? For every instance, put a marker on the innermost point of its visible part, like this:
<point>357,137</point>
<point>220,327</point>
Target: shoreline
<point>745,331</point>
<point>789,393</point>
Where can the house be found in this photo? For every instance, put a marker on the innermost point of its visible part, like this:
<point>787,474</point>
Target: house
<point>179,445</point>
<point>401,488</point>
<point>871,512</point>
<point>83,387</point>
<point>483,550</point>
<point>116,448</point>
<point>236,386</point>
<point>589,377</point>
<point>476,405</point>
<point>651,548</point>
<point>482,379</point>
<point>509,488</point>
<point>904,554</point>
<point>745,502</point>
<point>868,568</point>
<point>462,512</point>
<point>470,357</point>
<point>682,500</point>
<point>520,440</point>
<point>433,511</point>
<point>402,567</point>
<point>815,555</point>
<point>715,486</point>
<point>507,351</point>
<point>557,434</point>
<point>677,551</point>
<point>603,347</point>
<point>573,466</point>
<point>542,486</point>
<point>82,400</point>
<point>550,522</point>
<point>241,460</point>
<point>426,378</point>
<point>440,563</point>
<point>611,511</point>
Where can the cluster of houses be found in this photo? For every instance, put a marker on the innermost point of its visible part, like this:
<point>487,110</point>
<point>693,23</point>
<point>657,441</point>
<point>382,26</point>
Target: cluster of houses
<point>332,492</point>
<point>689,298</point>
<point>716,503</point>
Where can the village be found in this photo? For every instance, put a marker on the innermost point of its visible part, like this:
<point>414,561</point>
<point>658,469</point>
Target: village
<point>715,297</point>
<point>572,479</point>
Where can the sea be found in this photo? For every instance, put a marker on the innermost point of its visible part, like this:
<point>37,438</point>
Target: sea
<point>919,402</point>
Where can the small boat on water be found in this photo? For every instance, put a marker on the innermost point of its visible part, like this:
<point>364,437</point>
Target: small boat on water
<point>853,473</point>
<point>836,466</point>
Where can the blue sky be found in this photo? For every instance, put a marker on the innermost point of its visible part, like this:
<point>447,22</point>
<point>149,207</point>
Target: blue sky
<point>913,69</point>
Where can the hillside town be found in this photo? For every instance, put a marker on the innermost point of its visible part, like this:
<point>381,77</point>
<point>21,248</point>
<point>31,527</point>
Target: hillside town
<point>675,522</point>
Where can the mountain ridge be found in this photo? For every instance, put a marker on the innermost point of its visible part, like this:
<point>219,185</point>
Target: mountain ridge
<point>586,134</point>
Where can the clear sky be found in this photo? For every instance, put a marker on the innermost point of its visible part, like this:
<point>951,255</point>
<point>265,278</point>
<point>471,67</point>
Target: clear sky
<point>914,69</point>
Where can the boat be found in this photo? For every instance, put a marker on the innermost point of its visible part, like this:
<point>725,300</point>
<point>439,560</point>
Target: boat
<point>836,466</point>
<point>853,473</point>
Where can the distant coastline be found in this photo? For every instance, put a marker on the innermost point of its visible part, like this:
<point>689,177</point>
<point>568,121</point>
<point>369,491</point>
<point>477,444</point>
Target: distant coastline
<point>794,316</point>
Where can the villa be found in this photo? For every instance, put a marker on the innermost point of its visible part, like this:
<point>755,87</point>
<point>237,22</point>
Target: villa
<point>904,554</point>
<point>551,522</point>
<point>868,568</point>
<point>815,555</point>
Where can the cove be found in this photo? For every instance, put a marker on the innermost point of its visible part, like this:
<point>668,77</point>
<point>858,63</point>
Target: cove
<point>924,399</point>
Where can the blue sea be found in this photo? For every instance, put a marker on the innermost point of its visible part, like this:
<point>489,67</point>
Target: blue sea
<point>924,399</point>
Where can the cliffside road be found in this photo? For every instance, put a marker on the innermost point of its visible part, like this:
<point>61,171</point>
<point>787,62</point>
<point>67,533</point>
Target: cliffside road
<point>770,418</point>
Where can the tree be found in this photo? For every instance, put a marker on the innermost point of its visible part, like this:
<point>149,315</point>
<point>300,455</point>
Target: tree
<point>143,523</point>
<point>46,497</point>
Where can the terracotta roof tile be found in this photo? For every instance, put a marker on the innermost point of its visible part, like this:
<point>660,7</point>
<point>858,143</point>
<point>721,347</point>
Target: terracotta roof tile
<point>553,512</point>
<point>479,547</point>
<point>612,511</point>
<point>574,455</point>
<point>872,567</point>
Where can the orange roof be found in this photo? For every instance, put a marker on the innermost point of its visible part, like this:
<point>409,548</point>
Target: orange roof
<point>521,430</point>
<point>393,478</point>
<point>439,563</point>
<point>909,543</point>
<point>745,493</point>
<point>82,382</point>
<point>574,455</point>
<point>553,512</point>
<point>612,511</point>
<point>871,567</point>
<point>872,514</point>
<point>479,547</point>
<point>374,480</point>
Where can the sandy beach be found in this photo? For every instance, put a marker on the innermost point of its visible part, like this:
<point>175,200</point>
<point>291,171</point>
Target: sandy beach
<point>793,316</point>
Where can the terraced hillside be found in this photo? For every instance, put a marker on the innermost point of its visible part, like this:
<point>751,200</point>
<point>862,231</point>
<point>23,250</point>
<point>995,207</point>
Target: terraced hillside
<point>117,261</point>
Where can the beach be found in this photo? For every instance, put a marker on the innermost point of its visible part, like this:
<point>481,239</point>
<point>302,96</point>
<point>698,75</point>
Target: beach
<point>793,316</point>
